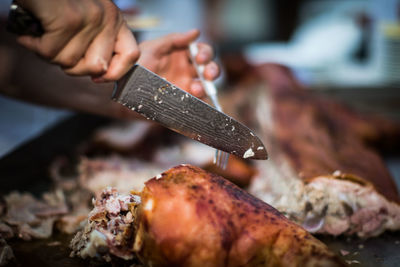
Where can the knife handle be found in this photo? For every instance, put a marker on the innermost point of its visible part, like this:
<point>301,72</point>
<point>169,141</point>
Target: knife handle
<point>23,22</point>
<point>209,86</point>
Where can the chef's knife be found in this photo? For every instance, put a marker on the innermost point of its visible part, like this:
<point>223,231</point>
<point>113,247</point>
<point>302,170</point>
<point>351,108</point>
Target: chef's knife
<point>155,98</point>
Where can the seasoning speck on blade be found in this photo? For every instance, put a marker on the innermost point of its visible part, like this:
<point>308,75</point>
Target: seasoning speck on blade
<point>249,153</point>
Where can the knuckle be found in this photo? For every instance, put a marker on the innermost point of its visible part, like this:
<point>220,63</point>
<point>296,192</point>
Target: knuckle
<point>73,20</point>
<point>66,61</point>
<point>48,53</point>
<point>96,15</point>
<point>112,14</point>
<point>97,67</point>
<point>115,14</point>
<point>69,62</point>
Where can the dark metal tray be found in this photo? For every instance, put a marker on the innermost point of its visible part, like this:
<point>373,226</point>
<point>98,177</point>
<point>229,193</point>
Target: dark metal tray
<point>26,169</point>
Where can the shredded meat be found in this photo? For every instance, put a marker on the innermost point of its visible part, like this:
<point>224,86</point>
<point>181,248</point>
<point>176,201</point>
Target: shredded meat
<point>28,217</point>
<point>112,219</point>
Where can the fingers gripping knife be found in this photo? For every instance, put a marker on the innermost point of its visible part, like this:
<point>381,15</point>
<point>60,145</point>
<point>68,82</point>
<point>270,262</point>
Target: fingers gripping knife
<point>155,98</point>
<point>220,157</point>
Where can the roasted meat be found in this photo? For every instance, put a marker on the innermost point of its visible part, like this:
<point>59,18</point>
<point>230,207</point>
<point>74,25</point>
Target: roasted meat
<point>323,172</point>
<point>111,226</point>
<point>189,217</point>
<point>27,217</point>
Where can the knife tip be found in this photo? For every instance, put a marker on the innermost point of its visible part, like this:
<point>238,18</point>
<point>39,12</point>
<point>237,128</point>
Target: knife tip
<point>263,156</point>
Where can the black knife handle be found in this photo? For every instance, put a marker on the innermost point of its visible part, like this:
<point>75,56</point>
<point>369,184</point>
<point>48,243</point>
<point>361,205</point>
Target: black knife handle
<point>23,22</point>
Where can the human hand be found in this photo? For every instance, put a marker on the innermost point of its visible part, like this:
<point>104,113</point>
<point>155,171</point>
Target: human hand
<point>168,56</point>
<point>84,37</point>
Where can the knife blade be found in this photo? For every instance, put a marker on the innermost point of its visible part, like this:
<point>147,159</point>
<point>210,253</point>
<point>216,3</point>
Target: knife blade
<point>159,100</point>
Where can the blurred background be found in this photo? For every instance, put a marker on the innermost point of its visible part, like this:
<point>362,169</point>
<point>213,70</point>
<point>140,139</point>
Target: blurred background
<point>349,49</point>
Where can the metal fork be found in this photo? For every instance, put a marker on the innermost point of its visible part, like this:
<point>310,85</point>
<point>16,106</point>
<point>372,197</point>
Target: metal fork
<point>220,157</point>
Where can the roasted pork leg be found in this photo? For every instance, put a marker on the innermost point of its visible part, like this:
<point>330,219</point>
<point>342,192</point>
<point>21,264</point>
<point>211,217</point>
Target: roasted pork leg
<point>189,217</point>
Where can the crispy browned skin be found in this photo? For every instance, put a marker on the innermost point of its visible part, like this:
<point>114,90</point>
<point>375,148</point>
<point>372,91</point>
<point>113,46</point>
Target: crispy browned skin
<point>319,136</point>
<point>238,171</point>
<point>193,218</point>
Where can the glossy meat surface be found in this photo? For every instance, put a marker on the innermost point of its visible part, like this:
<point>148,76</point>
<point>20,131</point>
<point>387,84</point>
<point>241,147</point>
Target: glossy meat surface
<point>189,217</point>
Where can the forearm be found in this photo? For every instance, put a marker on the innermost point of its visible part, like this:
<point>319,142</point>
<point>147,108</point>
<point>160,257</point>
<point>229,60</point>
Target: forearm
<point>29,78</point>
